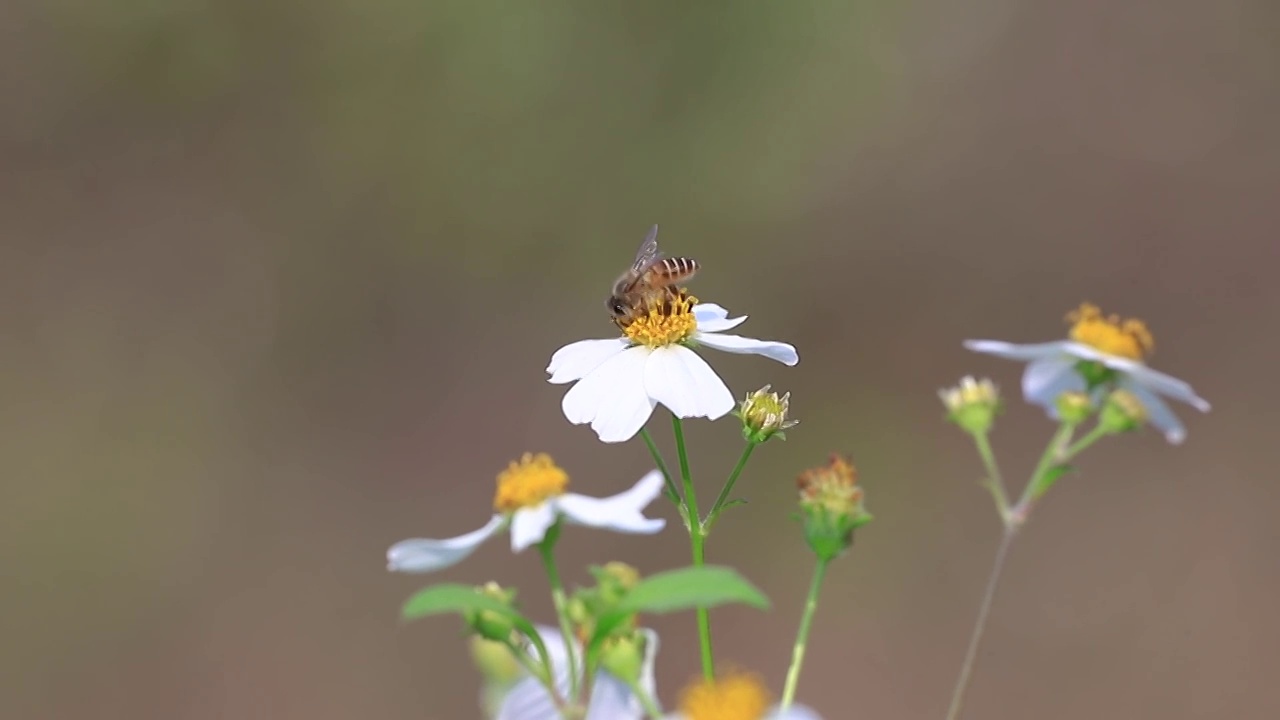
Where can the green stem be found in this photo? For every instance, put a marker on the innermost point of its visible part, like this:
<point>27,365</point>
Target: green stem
<point>1053,455</point>
<point>1093,436</point>
<point>560,600</point>
<point>802,637</point>
<point>980,627</point>
<point>542,671</point>
<point>697,538</point>
<point>672,493</point>
<point>714,513</point>
<point>646,700</point>
<point>994,483</point>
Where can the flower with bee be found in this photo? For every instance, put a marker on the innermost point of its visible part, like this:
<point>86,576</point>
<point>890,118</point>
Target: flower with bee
<point>619,381</point>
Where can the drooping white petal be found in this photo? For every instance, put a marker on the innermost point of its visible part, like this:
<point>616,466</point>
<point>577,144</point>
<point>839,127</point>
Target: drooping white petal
<point>583,401</point>
<point>623,406</point>
<point>623,512</point>
<point>575,360</point>
<point>1047,378</point>
<point>1013,351</point>
<point>529,525</point>
<point>1159,414</point>
<point>676,377</point>
<point>782,352</point>
<point>421,555</point>
<point>1167,385</point>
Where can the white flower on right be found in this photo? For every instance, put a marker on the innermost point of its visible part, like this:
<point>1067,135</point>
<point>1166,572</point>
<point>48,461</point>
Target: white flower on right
<point>621,380</point>
<point>1103,353</point>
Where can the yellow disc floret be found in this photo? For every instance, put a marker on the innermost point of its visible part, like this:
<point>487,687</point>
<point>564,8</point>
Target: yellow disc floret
<point>1127,338</point>
<point>665,321</point>
<point>733,696</point>
<point>528,482</point>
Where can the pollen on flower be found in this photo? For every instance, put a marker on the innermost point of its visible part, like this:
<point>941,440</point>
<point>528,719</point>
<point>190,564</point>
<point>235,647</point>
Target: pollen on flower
<point>1111,334</point>
<point>528,482</point>
<point>732,696</point>
<point>664,323</point>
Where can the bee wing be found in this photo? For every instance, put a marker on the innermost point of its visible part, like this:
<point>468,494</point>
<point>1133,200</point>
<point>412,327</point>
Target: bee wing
<point>648,251</point>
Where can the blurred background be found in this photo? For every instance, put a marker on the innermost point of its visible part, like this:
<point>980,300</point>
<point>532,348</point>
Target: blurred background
<point>279,281</point>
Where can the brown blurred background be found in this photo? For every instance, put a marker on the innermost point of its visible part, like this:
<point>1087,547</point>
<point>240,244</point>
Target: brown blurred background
<point>280,280</point>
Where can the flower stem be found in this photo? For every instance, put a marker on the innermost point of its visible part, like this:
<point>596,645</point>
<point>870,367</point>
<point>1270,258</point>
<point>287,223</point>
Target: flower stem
<point>1091,437</point>
<point>697,538</point>
<point>673,494</point>
<point>980,627</point>
<point>994,481</point>
<point>802,637</point>
<point>558,598</point>
<point>714,513</point>
<point>646,700</point>
<point>540,669</point>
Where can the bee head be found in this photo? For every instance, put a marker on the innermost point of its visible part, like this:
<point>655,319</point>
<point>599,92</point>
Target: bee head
<point>617,306</point>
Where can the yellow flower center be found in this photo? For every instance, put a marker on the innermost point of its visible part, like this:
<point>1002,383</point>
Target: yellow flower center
<point>1127,337</point>
<point>733,696</point>
<point>665,320</point>
<point>529,482</point>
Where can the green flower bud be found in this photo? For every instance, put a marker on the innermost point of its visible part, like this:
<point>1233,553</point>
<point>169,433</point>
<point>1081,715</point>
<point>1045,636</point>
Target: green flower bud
<point>1074,407</point>
<point>489,624</point>
<point>973,404</point>
<point>831,506</point>
<point>764,415</point>
<point>624,656</point>
<point>1122,412</point>
<point>495,661</point>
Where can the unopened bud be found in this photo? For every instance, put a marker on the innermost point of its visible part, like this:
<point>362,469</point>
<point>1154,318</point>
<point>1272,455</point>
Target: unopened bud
<point>831,506</point>
<point>490,624</point>
<point>973,404</point>
<point>495,661</point>
<point>1122,412</point>
<point>764,415</point>
<point>1073,407</point>
<point>623,656</point>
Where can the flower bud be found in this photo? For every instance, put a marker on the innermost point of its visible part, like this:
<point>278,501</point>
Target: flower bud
<point>489,624</point>
<point>1122,412</point>
<point>764,415</point>
<point>495,661</point>
<point>623,656</point>
<point>831,506</point>
<point>1074,407</point>
<point>615,580</point>
<point>973,404</point>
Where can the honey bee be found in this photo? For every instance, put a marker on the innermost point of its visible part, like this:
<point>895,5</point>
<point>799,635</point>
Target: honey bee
<point>649,280</point>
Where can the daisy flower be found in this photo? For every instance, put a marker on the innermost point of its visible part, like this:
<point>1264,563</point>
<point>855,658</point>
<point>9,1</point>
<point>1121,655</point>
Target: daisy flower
<point>530,499</point>
<point>734,696</point>
<point>620,380</point>
<point>1102,353</point>
<point>611,699</point>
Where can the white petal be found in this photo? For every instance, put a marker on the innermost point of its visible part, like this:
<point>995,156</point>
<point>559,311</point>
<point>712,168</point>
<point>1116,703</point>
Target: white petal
<point>782,352</point>
<point>611,699</point>
<point>584,400</point>
<point>1047,378</point>
<point>1167,385</point>
<point>623,512</point>
<point>575,360</point>
<point>1013,351</point>
<point>421,555</point>
<point>621,405</point>
<point>529,526</point>
<point>709,311</point>
<point>1159,415</point>
<point>795,712</point>
<point>676,377</point>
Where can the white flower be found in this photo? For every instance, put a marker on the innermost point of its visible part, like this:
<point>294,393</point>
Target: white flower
<point>530,500</point>
<point>611,699</point>
<point>1111,352</point>
<point>621,380</point>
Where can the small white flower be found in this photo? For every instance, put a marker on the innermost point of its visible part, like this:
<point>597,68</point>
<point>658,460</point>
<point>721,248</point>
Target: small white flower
<point>530,499</point>
<point>611,699</point>
<point>621,380</point>
<point>1112,352</point>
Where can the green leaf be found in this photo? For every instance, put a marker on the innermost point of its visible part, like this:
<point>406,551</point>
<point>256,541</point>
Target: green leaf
<point>451,598</point>
<point>692,587</point>
<point>1046,481</point>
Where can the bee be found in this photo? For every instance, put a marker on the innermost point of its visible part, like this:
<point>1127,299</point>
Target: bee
<point>650,280</point>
